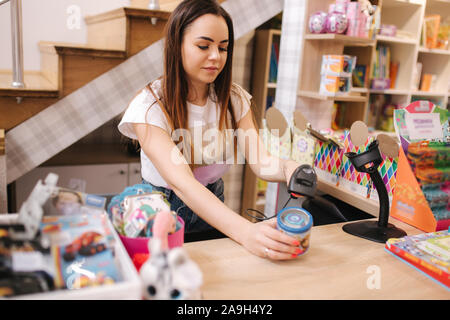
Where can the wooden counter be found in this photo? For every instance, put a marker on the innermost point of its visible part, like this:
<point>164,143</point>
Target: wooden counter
<point>337,266</point>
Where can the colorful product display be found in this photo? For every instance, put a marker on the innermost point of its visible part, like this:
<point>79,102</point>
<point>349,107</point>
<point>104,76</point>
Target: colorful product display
<point>133,211</point>
<point>277,146</point>
<point>422,195</point>
<point>82,250</point>
<point>303,147</point>
<point>348,171</point>
<point>328,158</point>
<point>430,162</point>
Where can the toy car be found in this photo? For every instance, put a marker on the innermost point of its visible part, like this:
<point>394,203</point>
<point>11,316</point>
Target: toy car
<point>87,244</point>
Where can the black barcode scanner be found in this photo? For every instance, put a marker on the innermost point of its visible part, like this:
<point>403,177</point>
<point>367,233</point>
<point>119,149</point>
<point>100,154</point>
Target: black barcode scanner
<point>303,182</point>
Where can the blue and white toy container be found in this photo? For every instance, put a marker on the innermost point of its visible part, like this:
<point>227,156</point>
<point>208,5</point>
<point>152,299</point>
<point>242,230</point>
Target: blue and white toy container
<point>296,222</point>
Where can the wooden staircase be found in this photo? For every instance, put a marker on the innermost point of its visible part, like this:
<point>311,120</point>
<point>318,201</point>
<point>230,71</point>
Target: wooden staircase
<point>112,37</point>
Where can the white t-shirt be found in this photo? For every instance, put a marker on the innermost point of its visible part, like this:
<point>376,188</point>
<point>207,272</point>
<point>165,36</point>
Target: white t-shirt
<point>203,127</point>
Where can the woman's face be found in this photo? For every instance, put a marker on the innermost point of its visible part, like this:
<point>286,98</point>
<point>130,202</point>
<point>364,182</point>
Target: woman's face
<point>204,49</point>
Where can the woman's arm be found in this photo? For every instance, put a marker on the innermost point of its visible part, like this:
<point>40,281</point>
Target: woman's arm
<point>262,163</point>
<point>172,166</point>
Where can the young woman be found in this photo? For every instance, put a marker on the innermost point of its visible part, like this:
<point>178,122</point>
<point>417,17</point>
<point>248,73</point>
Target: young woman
<point>194,101</point>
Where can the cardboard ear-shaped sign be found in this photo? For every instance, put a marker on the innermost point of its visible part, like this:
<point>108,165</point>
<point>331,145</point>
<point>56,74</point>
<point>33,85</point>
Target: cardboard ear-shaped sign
<point>388,146</point>
<point>359,133</point>
<point>300,121</point>
<point>276,121</point>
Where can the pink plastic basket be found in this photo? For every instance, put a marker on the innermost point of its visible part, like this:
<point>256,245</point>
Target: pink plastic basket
<point>140,245</point>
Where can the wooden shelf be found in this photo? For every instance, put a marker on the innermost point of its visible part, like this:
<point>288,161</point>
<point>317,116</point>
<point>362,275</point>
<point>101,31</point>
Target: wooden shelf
<point>381,38</point>
<point>347,97</point>
<point>367,205</point>
<point>389,91</point>
<point>434,51</point>
<point>355,41</point>
<point>272,85</point>
<point>398,4</point>
<point>428,93</point>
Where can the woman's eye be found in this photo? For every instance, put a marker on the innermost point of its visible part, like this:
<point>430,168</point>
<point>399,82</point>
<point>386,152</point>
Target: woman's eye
<point>223,49</point>
<point>203,47</point>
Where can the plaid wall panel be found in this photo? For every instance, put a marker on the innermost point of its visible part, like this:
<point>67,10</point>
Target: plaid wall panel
<point>73,117</point>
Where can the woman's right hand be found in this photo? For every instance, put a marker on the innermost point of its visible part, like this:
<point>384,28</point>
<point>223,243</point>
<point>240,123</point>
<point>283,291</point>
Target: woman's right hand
<point>264,240</point>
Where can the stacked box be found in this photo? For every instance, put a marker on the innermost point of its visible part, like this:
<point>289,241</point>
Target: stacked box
<point>336,74</point>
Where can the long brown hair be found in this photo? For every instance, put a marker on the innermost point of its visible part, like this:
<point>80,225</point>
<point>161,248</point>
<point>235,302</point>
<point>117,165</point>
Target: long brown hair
<point>174,78</point>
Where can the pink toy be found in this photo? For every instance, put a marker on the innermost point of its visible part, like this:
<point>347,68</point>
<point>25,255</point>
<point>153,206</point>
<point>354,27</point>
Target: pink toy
<point>163,226</point>
<point>317,22</point>
<point>336,22</point>
<point>139,245</point>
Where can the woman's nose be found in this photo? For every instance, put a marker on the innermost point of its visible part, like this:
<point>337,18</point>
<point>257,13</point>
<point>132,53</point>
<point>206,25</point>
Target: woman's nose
<point>214,53</point>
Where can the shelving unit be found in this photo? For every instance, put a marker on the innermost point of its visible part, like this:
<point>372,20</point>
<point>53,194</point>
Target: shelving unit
<point>253,196</point>
<point>405,47</point>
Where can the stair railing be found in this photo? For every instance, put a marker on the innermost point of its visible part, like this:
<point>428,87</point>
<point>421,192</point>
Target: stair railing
<point>16,39</point>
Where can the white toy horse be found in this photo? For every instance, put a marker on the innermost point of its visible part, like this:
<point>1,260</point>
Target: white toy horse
<point>168,274</point>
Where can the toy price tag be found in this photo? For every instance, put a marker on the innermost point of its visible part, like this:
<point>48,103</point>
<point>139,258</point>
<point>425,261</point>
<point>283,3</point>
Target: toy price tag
<point>423,126</point>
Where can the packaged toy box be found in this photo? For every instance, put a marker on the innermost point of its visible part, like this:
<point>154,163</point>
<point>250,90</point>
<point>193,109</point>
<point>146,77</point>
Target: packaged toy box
<point>336,74</point>
<point>75,255</point>
<point>422,193</point>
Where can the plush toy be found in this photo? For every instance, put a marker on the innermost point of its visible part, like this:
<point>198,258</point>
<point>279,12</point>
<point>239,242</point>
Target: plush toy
<point>366,7</point>
<point>168,274</point>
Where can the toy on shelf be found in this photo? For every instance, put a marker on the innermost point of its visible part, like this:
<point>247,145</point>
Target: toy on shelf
<point>431,30</point>
<point>388,30</point>
<point>356,19</point>
<point>336,22</point>
<point>336,74</point>
<point>317,22</point>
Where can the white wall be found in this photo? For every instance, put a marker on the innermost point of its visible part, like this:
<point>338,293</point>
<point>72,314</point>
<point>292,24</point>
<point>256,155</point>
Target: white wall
<point>49,20</point>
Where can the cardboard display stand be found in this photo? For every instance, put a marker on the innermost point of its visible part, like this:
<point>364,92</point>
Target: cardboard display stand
<point>276,134</point>
<point>409,204</point>
<point>421,120</point>
<point>303,144</point>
